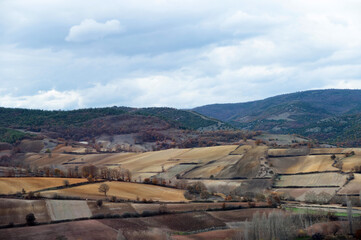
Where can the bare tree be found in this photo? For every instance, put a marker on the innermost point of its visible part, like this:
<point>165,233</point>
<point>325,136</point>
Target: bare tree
<point>104,188</point>
<point>349,214</point>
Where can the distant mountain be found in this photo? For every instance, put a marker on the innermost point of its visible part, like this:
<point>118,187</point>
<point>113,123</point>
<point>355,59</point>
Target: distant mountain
<point>331,116</point>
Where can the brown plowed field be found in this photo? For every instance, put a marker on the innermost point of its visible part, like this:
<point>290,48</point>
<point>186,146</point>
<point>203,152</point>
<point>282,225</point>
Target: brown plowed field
<point>14,210</point>
<point>110,207</point>
<point>214,235</point>
<point>13,185</point>
<point>240,215</point>
<point>85,230</point>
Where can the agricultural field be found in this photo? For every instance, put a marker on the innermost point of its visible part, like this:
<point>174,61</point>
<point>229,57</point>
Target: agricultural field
<point>353,187</point>
<point>350,163</point>
<point>143,165</point>
<point>247,166</point>
<point>90,229</point>
<point>280,139</point>
<point>287,152</point>
<point>212,168</point>
<point>329,179</point>
<point>241,150</point>
<point>214,235</point>
<point>69,209</point>
<point>157,227</point>
<point>14,185</point>
<point>122,190</point>
<point>15,210</point>
<point>302,164</point>
<point>357,151</point>
<point>299,194</point>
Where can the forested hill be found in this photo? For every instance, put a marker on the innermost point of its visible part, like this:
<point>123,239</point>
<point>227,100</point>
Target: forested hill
<point>91,122</point>
<point>331,116</point>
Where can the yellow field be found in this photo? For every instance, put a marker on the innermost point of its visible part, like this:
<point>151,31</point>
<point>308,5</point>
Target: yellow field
<point>350,162</point>
<point>123,190</point>
<point>213,168</point>
<point>288,152</point>
<point>13,185</point>
<point>353,187</point>
<point>241,150</point>
<point>206,154</point>
<point>357,151</point>
<point>140,164</point>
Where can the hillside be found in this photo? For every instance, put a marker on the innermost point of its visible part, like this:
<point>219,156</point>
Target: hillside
<point>132,129</point>
<point>37,120</point>
<point>330,116</point>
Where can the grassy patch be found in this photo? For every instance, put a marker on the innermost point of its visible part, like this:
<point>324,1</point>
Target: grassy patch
<point>11,135</point>
<point>318,212</point>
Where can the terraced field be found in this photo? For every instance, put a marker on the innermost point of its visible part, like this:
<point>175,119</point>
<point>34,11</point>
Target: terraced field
<point>312,180</point>
<point>14,185</point>
<point>123,190</point>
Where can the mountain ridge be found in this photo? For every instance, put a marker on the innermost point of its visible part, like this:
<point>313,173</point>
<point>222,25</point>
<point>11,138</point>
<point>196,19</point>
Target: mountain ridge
<point>301,112</point>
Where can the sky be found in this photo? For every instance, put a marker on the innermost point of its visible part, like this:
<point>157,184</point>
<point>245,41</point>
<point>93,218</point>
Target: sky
<point>69,54</point>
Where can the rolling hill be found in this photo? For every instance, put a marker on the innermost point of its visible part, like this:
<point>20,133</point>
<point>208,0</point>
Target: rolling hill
<point>114,125</point>
<point>331,116</point>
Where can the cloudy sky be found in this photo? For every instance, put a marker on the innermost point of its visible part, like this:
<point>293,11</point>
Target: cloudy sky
<point>66,54</point>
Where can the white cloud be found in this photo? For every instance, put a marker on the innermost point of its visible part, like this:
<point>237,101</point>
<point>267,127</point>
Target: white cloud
<point>51,99</point>
<point>90,29</point>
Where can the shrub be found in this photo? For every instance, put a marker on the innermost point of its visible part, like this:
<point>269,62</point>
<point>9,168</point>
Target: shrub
<point>148,213</point>
<point>128,215</point>
<point>163,208</point>
<point>99,203</point>
<point>61,237</point>
<point>66,183</point>
<point>317,236</point>
<point>30,219</point>
<point>113,198</point>
<point>30,195</point>
<point>188,196</point>
<point>97,216</point>
<point>205,194</point>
